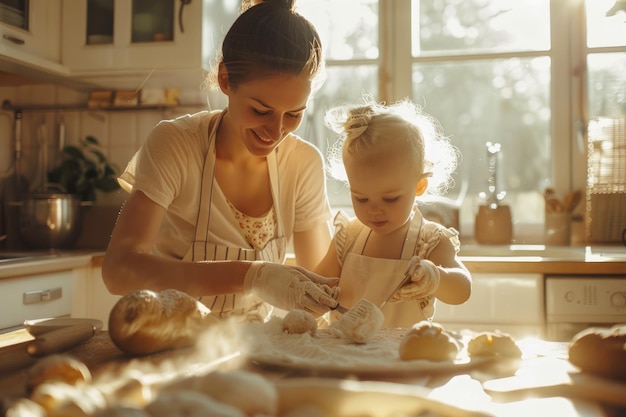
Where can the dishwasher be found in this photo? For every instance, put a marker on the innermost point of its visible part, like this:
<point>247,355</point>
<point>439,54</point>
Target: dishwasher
<point>575,302</point>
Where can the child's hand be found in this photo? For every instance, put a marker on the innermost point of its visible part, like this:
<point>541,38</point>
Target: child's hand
<point>424,281</point>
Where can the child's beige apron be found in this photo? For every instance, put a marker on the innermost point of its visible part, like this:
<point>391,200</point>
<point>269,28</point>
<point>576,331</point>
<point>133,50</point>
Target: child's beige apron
<point>376,278</point>
<point>219,237</point>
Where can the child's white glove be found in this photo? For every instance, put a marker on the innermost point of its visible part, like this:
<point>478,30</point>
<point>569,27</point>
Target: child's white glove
<point>424,281</point>
<point>289,288</point>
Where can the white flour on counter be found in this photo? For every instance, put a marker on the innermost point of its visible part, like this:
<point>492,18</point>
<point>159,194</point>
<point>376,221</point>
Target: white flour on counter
<point>267,344</point>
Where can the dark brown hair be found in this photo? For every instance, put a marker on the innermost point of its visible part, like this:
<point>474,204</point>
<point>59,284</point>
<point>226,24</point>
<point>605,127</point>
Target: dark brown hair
<point>270,38</point>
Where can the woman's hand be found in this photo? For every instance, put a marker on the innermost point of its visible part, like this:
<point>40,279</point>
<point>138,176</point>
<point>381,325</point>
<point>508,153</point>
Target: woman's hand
<point>289,288</point>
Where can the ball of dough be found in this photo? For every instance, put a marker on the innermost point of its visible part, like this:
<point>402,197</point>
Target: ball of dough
<point>600,351</point>
<point>429,341</point>
<point>185,403</point>
<point>493,344</point>
<point>299,321</point>
<point>58,367</point>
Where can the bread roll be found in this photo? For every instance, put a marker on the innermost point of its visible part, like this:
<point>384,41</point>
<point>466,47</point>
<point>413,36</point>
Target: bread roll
<point>600,351</point>
<point>59,367</point>
<point>144,321</point>
<point>493,344</point>
<point>429,341</point>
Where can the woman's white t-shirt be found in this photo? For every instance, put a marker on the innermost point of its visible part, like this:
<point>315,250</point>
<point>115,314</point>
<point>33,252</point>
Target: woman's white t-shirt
<point>168,169</point>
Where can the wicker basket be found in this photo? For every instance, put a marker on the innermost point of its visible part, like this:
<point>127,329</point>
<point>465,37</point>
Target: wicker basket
<point>606,180</point>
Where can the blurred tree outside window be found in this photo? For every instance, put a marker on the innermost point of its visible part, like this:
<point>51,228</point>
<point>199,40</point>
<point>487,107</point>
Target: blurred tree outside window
<point>528,74</point>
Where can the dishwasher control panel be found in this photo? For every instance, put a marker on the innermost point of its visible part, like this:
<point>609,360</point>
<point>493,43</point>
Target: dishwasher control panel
<point>583,299</point>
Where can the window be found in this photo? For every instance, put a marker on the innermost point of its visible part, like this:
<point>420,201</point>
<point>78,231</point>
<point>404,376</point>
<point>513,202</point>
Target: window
<point>527,74</point>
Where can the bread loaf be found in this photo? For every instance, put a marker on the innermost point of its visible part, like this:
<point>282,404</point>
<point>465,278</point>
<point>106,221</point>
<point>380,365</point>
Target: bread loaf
<point>144,321</point>
<point>600,351</point>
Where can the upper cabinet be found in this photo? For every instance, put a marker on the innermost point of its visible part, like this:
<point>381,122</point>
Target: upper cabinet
<point>31,28</point>
<point>142,39</point>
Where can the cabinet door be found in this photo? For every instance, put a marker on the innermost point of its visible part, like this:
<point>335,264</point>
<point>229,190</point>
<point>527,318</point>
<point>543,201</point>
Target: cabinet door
<point>510,302</point>
<point>35,297</point>
<point>36,33</point>
<point>128,36</point>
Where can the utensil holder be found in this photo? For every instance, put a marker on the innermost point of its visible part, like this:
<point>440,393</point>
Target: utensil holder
<point>493,225</point>
<point>557,229</point>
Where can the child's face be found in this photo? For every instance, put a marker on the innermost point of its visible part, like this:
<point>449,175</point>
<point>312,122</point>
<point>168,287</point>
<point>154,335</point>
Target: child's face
<point>382,190</point>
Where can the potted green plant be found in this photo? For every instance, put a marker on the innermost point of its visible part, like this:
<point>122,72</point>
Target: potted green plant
<point>84,169</point>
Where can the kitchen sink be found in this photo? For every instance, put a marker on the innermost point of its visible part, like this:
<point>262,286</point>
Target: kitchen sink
<point>18,256</point>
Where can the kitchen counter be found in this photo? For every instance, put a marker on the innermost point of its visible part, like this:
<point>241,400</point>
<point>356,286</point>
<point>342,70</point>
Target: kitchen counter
<point>460,389</point>
<point>14,264</point>
<point>604,260</point>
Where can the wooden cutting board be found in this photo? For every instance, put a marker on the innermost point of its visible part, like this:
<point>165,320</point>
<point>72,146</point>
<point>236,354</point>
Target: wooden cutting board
<point>551,377</point>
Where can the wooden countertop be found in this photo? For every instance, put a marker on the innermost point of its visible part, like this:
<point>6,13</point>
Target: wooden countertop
<point>103,358</point>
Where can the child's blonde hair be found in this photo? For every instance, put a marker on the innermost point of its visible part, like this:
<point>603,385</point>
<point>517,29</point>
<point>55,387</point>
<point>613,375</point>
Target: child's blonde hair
<point>372,130</point>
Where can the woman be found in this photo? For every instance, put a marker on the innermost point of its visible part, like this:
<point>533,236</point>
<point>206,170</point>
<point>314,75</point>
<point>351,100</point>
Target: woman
<point>233,186</point>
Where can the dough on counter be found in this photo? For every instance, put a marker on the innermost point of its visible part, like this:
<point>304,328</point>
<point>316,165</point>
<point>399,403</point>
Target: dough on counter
<point>495,343</point>
<point>299,321</point>
<point>23,407</point>
<point>600,350</point>
<point>187,403</point>
<point>122,411</point>
<point>360,323</point>
<point>252,393</point>
<point>57,367</point>
<point>429,341</point>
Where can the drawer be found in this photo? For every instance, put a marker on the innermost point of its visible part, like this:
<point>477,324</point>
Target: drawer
<point>35,296</point>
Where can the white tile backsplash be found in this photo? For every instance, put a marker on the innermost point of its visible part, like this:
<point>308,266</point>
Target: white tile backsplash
<point>120,134</point>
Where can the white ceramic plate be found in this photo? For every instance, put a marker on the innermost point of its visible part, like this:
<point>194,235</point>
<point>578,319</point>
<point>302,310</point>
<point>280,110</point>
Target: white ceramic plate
<point>41,326</point>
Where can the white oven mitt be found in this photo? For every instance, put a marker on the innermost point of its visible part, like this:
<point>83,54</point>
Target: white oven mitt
<point>424,281</point>
<point>289,287</point>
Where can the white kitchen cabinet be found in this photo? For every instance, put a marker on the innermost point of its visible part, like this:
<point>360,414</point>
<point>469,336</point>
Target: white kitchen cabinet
<point>36,296</point>
<point>38,38</point>
<point>94,300</point>
<point>135,42</point>
<point>510,302</point>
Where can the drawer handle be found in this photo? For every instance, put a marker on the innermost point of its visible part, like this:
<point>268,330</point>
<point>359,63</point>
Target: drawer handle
<point>39,296</point>
<point>13,39</point>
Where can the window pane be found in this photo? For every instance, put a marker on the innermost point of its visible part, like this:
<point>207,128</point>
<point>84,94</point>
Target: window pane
<point>606,25</point>
<point>501,101</point>
<point>348,28</point>
<point>607,84</point>
<point>339,88</point>
<point>477,26</point>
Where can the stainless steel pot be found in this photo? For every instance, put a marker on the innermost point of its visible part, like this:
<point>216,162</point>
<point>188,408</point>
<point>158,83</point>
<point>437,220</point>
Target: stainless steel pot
<point>49,220</point>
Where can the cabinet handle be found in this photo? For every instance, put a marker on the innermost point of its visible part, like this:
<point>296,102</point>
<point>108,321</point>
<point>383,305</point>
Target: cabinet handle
<point>14,39</point>
<point>39,296</point>
<point>183,3</point>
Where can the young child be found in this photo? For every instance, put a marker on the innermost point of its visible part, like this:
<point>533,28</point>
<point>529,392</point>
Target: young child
<point>391,154</point>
